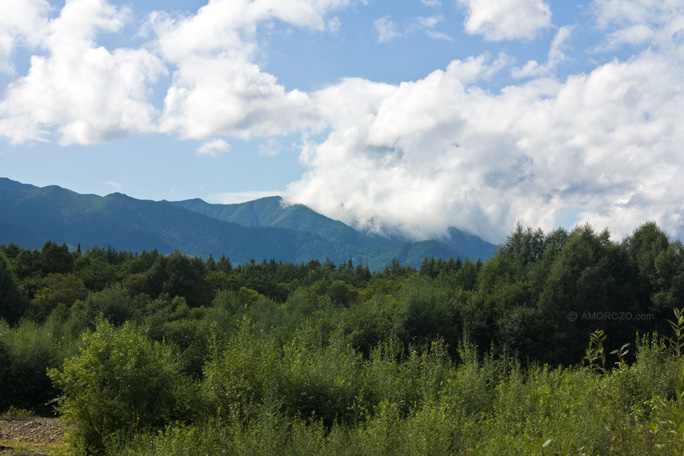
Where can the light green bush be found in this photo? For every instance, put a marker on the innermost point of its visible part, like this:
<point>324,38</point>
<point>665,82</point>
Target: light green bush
<point>119,383</point>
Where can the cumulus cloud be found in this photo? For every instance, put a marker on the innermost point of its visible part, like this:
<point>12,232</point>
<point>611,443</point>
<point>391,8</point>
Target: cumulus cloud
<point>85,92</point>
<point>217,88</point>
<point>415,157</point>
<point>81,92</point>
<point>602,146</point>
<point>500,20</point>
<point>21,22</point>
<point>439,152</point>
<point>213,148</point>
<point>636,22</point>
<point>230,96</point>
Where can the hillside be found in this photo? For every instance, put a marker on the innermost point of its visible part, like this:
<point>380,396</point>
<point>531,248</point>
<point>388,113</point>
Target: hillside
<point>274,212</point>
<point>264,228</point>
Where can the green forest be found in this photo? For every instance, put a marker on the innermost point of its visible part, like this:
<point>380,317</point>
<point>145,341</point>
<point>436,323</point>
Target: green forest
<point>562,343</point>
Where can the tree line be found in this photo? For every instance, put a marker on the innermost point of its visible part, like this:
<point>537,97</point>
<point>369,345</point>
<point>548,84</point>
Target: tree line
<point>556,287</point>
<point>130,343</point>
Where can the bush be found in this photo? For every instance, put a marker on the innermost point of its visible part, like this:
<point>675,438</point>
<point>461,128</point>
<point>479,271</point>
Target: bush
<point>242,374</point>
<point>323,381</point>
<point>26,352</point>
<point>120,382</point>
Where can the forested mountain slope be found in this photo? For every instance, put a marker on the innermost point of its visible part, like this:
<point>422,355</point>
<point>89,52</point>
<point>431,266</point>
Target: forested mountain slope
<point>273,211</point>
<point>259,229</point>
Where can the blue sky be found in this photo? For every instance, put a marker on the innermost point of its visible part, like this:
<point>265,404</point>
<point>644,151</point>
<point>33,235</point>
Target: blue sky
<point>406,115</point>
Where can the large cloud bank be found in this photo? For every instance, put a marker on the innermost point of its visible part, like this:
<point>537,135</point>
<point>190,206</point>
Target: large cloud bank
<point>603,146</point>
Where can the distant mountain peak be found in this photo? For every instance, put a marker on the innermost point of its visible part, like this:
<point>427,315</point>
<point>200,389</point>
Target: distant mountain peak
<point>9,184</point>
<point>268,227</point>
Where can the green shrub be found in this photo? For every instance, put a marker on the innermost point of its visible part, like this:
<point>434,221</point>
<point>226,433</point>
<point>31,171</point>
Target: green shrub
<point>323,380</point>
<point>242,373</point>
<point>26,352</point>
<point>120,382</point>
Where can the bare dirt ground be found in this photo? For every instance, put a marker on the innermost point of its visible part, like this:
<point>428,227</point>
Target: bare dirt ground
<point>30,437</point>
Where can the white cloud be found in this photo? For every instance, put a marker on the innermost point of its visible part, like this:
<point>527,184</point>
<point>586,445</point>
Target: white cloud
<point>555,56</point>
<point>230,96</point>
<point>386,29</point>
<point>229,24</point>
<point>430,21</point>
<point>241,197</point>
<point>21,23</point>
<point>506,19</point>
<point>432,3</point>
<point>439,152</point>
<point>117,186</point>
<point>213,148</point>
<point>438,35</point>
<point>427,24</point>
<point>217,88</point>
<point>81,92</point>
<point>636,22</point>
<point>415,157</point>
<point>656,12</point>
<point>85,92</point>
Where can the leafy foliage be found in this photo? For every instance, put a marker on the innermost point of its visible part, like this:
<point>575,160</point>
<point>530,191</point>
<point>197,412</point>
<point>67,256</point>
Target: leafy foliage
<point>12,303</point>
<point>169,354</point>
<point>119,383</point>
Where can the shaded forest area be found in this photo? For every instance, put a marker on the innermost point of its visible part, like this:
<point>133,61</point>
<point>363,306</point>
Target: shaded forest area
<point>560,343</point>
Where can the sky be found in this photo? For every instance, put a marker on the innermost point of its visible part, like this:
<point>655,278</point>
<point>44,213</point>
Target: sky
<point>401,116</point>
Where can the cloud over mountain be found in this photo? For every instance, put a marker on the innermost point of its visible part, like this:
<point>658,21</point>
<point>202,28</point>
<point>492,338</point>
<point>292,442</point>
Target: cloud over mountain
<point>450,148</point>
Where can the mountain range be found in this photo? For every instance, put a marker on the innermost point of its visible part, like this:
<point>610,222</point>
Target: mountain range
<point>261,229</point>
